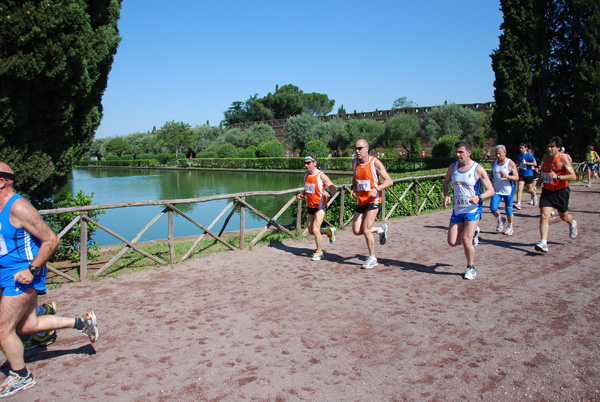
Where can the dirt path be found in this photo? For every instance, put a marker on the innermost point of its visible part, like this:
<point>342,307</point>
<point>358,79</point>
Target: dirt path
<point>270,325</point>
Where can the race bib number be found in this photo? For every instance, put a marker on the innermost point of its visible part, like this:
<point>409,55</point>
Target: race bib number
<point>363,185</point>
<point>463,200</point>
<point>309,188</point>
<point>547,179</point>
<point>3,250</point>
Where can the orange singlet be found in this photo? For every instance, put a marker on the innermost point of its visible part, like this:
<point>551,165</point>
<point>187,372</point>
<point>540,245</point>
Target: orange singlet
<point>366,178</point>
<point>547,167</point>
<point>313,188</point>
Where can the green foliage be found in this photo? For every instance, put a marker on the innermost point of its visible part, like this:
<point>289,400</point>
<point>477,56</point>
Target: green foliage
<point>317,148</point>
<point>249,152</point>
<point>401,129</point>
<point>444,147</point>
<point>285,102</point>
<point>112,158</point>
<point>117,146</point>
<point>208,154</point>
<point>227,151</point>
<point>415,147</point>
<point>70,244</point>
<point>128,157</point>
<point>54,62</point>
<point>204,137</point>
<point>371,130</point>
<point>298,131</point>
<point>177,137</point>
<point>547,74</point>
<point>259,133</point>
<point>402,103</point>
<point>271,149</point>
<point>452,119</point>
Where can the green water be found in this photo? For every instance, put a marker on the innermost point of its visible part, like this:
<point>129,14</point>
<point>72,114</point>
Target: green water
<point>123,185</point>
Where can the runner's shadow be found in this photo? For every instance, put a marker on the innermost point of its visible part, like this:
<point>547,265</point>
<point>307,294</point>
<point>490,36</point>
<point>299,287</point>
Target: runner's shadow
<point>412,266</point>
<point>308,252</point>
<point>42,353</point>
<point>527,248</point>
<point>436,227</point>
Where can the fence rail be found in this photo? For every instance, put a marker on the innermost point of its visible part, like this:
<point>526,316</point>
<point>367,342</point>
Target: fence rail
<point>421,188</point>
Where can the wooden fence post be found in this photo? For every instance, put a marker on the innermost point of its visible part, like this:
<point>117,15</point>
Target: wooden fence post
<point>416,197</point>
<point>299,218</point>
<point>171,239</point>
<point>83,247</point>
<point>342,202</point>
<point>242,224</point>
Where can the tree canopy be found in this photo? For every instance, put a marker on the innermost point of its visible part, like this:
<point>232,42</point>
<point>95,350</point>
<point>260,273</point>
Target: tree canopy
<point>285,102</point>
<point>547,74</point>
<point>54,63</point>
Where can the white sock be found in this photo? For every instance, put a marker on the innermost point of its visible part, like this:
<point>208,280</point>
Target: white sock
<point>543,242</point>
<point>380,230</point>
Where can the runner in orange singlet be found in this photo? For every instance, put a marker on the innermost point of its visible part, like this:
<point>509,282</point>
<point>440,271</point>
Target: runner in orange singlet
<point>556,171</point>
<point>370,178</point>
<point>315,183</point>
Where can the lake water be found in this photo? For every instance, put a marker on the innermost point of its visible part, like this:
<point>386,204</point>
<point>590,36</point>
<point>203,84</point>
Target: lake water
<point>111,186</point>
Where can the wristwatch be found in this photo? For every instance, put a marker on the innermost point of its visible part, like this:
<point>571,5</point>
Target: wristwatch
<point>557,177</point>
<point>34,270</point>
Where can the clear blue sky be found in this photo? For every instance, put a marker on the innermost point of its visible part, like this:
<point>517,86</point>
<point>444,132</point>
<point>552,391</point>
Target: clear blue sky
<point>188,60</point>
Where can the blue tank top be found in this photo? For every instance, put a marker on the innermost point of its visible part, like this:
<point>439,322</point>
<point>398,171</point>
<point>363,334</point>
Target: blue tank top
<point>18,247</point>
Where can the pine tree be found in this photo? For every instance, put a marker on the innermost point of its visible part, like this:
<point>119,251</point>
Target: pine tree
<point>54,63</point>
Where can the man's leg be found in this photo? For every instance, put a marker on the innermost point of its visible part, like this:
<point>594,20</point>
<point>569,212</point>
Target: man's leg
<point>520,186</point>
<point>13,309</point>
<point>455,234</point>
<point>468,233</point>
<point>315,225</point>
<point>544,219</point>
<point>531,191</point>
<point>368,229</point>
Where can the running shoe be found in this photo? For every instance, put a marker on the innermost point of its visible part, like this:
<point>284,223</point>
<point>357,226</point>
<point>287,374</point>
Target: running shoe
<point>573,230</point>
<point>533,201</point>
<point>541,247</point>
<point>47,308</point>
<point>40,339</point>
<point>589,184</point>
<point>476,237</point>
<point>500,225</point>
<point>552,214</point>
<point>509,231</point>
<point>370,263</point>
<point>470,273</point>
<point>14,383</point>
<point>91,326</point>
<point>518,206</point>
<point>332,236</point>
<point>317,256</point>
<point>383,235</point>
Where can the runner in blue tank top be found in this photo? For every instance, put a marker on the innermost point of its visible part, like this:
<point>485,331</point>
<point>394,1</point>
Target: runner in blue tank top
<point>26,243</point>
<point>466,174</point>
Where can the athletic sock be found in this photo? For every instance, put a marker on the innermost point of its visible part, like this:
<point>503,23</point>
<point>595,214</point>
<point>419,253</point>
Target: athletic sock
<point>380,230</point>
<point>21,373</point>
<point>79,324</point>
<point>543,242</point>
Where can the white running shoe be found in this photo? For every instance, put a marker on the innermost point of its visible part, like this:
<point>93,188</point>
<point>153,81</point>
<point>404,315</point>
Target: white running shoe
<point>518,206</point>
<point>509,231</point>
<point>370,263</point>
<point>543,247</point>
<point>500,225</point>
<point>383,236</point>
<point>589,184</point>
<point>573,230</point>
<point>91,326</point>
<point>470,273</point>
<point>476,237</point>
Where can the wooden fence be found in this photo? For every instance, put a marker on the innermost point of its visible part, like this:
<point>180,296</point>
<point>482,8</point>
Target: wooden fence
<point>422,196</point>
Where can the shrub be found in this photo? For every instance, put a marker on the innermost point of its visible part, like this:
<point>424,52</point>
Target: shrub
<point>249,152</point>
<point>127,157</point>
<point>444,147</point>
<point>227,150</point>
<point>112,157</point>
<point>270,149</point>
<point>317,148</point>
<point>69,247</point>
<point>208,155</point>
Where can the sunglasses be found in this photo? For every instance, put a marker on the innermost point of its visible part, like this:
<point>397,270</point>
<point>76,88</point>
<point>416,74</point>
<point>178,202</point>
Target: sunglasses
<point>359,148</point>
<point>307,162</point>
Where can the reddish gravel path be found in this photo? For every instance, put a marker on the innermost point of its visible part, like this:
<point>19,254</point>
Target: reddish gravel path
<point>270,325</point>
